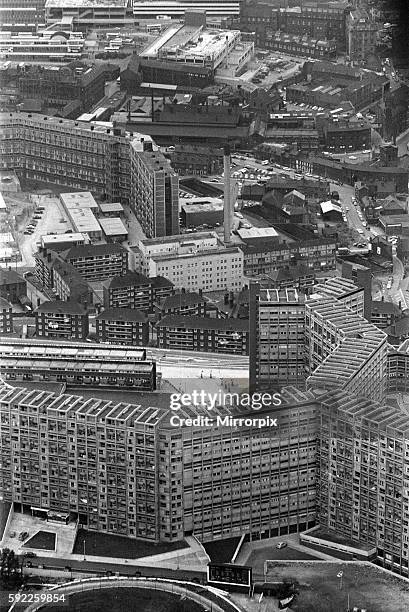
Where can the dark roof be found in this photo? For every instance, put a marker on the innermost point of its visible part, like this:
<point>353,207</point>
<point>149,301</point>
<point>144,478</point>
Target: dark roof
<point>161,281</point>
<point>121,314</point>
<point>239,325</point>
<point>89,250</point>
<point>384,307</point>
<point>399,328</point>
<point>59,306</point>
<point>9,276</point>
<point>182,299</point>
<point>130,279</point>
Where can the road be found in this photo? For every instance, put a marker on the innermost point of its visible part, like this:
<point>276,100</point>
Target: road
<point>127,569</point>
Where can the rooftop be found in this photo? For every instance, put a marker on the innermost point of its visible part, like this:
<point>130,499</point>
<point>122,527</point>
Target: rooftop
<point>182,299</point>
<point>187,322</point>
<point>92,250</point>
<point>121,314</point>
<point>10,277</point>
<point>86,3</point>
<point>280,296</point>
<point>61,307</point>
<point>80,199</point>
<point>130,279</point>
<point>113,226</point>
<point>106,207</point>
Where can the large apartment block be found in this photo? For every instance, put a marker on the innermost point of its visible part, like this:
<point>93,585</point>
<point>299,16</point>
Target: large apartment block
<point>125,469</point>
<point>99,261</point>
<point>343,350</point>
<point>155,195</point>
<point>58,319</point>
<point>362,475</point>
<point>192,262</point>
<point>277,337</point>
<point>92,157</point>
<point>77,365</point>
<point>134,290</point>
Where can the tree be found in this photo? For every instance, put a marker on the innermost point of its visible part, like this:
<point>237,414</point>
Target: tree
<point>11,573</point>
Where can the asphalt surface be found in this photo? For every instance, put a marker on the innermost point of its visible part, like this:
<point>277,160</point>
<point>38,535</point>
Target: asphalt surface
<point>101,568</point>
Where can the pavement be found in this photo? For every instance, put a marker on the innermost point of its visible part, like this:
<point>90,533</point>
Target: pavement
<point>64,541</point>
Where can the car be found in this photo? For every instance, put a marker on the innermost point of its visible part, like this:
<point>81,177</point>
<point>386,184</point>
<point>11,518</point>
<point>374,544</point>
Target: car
<point>30,555</point>
<point>360,231</point>
<point>23,536</point>
<point>281,545</point>
<point>265,162</point>
<point>26,232</point>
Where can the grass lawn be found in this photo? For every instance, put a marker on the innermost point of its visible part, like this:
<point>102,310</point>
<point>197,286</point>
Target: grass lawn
<point>138,600</point>
<point>42,540</point>
<point>258,556</point>
<point>106,545</point>
<point>320,591</point>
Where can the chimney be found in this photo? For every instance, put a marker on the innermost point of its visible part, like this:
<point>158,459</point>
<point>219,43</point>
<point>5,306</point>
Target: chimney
<point>228,213</point>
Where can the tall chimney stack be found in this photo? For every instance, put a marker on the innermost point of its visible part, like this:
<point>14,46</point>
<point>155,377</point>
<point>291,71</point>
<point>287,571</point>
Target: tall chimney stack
<point>227,219</point>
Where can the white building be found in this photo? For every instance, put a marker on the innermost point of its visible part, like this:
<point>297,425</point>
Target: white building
<point>46,46</point>
<point>151,9</point>
<point>198,261</point>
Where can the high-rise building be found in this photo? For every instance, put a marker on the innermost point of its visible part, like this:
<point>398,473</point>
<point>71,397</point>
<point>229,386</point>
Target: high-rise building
<point>361,34</point>
<point>277,337</point>
<point>343,350</point>
<point>155,192</point>
<point>362,475</point>
<point>92,157</point>
<point>129,469</point>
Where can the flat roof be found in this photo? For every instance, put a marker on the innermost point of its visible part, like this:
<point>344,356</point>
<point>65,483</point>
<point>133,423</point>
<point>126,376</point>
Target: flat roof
<point>50,239</point>
<point>111,207</point>
<point>79,199</point>
<point>257,232</point>
<point>84,220</point>
<point>113,226</point>
<point>86,3</point>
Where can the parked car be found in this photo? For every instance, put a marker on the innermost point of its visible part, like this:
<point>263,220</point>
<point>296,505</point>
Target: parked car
<point>281,545</point>
<point>30,555</point>
<point>23,536</point>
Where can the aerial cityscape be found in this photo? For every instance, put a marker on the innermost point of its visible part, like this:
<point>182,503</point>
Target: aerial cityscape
<point>204,305</point>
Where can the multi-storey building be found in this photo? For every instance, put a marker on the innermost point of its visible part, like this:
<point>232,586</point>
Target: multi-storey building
<point>277,337</point>
<point>398,367</point>
<point>343,350</point>
<point>362,475</point>
<point>155,192</point>
<point>98,261</point>
<point>384,314</point>
<point>12,285</point>
<point>176,9</point>
<point>6,320</point>
<point>301,45</point>
<point>20,15</point>
<point>122,326</point>
<point>96,158</point>
<point>196,333</point>
<point>87,15</point>
<point>361,34</point>
<point>130,470</point>
<point>81,155</point>
<point>59,85</point>
<point>193,262</point>
<point>61,320</point>
<point>134,290</point>
<point>343,290</point>
<point>42,46</point>
<point>184,303</point>
<point>80,208</point>
<point>77,364</point>
<point>318,254</point>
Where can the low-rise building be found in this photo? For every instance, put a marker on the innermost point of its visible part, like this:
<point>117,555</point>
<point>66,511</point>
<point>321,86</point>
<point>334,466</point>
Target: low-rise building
<point>6,318</point>
<point>59,319</point>
<point>184,303</point>
<point>122,326</point>
<point>384,314</point>
<point>301,45</point>
<point>202,211</point>
<point>12,285</point>
<point>192,159</point>
<point>113,229</point>
<point>135,290</point>
<point>98,261</point>
<point>203,334</point>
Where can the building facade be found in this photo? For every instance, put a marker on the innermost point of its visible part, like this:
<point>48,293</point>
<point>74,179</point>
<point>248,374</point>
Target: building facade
<point>122,326</point>
<point>60,319</point>
<point>203,334</point>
